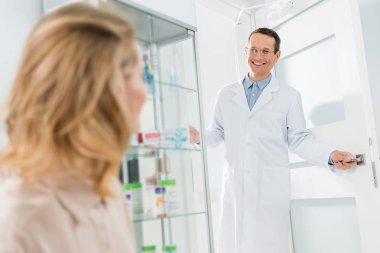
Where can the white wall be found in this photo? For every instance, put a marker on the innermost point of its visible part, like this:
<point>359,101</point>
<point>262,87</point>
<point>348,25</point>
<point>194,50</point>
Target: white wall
<point>243,23</point>
<point>216,45</point>
<point>17,17</point>
<point>243,29</point>
<point>370,21</point>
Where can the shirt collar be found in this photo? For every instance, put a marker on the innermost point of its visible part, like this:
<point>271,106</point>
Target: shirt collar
<point>247,82</point>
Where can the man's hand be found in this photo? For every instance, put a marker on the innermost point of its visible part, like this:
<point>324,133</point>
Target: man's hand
<point>342,160</point>
<point>194,135</point>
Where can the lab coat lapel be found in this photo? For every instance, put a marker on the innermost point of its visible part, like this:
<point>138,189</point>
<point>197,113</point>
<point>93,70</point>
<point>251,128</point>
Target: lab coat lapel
<point>266,96</point>
<point>239,96</point>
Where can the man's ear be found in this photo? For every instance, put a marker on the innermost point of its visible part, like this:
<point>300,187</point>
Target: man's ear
<point>278,55</point>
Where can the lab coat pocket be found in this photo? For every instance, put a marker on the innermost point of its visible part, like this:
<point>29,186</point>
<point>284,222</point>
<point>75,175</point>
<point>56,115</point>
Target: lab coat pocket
<point>274,186</point>
<point>271,124</point>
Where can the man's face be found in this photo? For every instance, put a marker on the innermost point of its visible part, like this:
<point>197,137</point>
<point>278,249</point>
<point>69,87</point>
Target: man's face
<point>261,60</point>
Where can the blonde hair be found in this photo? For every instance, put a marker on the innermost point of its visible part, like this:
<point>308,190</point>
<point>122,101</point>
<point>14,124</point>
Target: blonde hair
<point>66,112</point>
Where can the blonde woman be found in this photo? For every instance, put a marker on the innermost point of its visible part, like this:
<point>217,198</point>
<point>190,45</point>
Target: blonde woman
<point>75,101</point>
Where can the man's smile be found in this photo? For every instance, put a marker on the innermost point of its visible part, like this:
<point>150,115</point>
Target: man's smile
<point>258,63</point>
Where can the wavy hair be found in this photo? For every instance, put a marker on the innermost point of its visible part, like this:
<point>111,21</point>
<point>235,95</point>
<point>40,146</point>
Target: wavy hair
<point>66,113</point>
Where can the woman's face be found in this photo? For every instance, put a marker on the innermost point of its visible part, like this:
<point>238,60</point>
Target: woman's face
<point>136,94</point>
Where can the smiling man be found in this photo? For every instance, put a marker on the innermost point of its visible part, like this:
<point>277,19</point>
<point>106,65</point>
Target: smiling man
<point>262,52</point>
<point>259,119</point>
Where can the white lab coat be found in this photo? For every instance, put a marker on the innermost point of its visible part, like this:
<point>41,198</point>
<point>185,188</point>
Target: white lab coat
<point>256,190</point>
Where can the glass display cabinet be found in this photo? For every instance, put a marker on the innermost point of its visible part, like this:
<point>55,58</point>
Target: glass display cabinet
<point>164,176</point>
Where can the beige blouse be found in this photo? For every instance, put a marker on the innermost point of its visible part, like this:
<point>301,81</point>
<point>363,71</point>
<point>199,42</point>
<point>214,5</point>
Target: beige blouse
<point>69,218</point>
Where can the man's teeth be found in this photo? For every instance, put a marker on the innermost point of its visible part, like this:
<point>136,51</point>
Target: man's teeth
<point>258,64</point>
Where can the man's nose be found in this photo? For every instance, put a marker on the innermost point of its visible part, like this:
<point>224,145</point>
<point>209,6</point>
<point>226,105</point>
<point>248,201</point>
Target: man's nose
<point>257,56</point>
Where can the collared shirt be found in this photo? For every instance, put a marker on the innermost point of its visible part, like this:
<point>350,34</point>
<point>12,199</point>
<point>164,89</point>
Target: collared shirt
<point>253,89</point>
<point>66,218</point>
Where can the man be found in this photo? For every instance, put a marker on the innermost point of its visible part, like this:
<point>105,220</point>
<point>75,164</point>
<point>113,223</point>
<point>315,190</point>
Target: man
<point>259,119</point>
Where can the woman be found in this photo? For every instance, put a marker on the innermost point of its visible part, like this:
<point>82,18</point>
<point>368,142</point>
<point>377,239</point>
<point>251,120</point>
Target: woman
<point>75,101</point>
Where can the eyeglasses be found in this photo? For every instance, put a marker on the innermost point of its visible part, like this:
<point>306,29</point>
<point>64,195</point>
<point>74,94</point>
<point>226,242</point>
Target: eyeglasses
<point>254,50</point>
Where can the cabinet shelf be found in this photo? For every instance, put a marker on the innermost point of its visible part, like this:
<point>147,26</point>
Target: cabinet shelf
<point>163,148</point>
<point>175,86</point>
<point>139,219</point>
<point>170,85</point>
<point>149,152</point>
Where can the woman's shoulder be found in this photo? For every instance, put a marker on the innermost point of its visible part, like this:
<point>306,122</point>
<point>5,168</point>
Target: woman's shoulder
<point>29,212</point>
<point>22,202</point>
<point>15,189</point>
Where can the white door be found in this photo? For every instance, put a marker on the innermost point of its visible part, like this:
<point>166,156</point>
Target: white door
<point>323,58</point>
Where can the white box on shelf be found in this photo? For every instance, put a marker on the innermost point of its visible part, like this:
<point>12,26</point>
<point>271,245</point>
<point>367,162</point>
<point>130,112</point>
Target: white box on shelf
<point>175,138</point>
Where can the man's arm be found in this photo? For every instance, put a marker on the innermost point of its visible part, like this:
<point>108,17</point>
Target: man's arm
<point>215,131</point>
<point>302,142</point>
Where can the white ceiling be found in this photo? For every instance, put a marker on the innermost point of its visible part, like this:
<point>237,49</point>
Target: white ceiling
<point>249,3</point>
<point>234,9</point>
<point>222,7</point>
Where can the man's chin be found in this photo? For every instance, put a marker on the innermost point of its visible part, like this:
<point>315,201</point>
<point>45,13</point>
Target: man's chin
<point>257,72</point>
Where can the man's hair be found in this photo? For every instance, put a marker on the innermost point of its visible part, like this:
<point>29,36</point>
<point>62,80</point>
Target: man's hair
<point>270,33</point>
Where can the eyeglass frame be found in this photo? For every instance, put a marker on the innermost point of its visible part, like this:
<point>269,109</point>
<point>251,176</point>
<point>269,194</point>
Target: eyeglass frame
<point>264,52</point>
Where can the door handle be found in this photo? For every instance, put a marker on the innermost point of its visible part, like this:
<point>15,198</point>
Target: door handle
<point>359,159</point>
